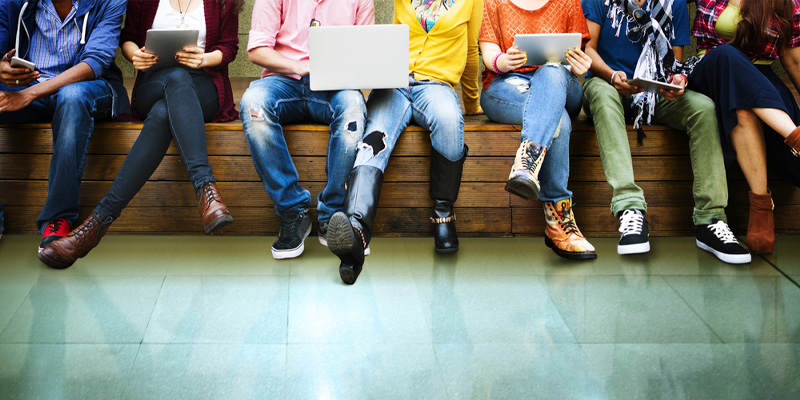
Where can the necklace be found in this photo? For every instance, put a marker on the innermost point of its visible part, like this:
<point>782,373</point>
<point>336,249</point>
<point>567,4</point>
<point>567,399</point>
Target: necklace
<point>182,24</point>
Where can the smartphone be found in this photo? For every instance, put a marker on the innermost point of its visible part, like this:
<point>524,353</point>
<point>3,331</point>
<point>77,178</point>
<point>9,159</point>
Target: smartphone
<point>17,62</point>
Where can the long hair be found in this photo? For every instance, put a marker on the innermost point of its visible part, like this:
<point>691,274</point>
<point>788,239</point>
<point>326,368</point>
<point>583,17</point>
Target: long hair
<point>752,34</point>
<point>234,7</point>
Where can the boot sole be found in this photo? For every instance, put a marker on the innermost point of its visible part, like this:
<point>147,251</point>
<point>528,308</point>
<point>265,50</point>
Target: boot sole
<point>449,250</point>
<point>52,263</point>
<point>342,243</point>
<point>217,223</point>
<point>728,258</point>
<point>586,255</point>
<point>522,188</point>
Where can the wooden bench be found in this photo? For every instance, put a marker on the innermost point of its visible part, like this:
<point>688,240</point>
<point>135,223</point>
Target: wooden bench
<point>166,205</point>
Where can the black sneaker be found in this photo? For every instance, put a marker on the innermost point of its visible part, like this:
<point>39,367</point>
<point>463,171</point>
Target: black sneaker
<point>635,237</point>
<point>717,238</point>
<point>295,228</point>
<point>322,235</point>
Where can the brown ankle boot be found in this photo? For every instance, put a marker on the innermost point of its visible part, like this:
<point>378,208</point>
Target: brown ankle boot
<point>65,251</point>
<point>214,212</point>
<point>761,227</point>
<point>793,141</point>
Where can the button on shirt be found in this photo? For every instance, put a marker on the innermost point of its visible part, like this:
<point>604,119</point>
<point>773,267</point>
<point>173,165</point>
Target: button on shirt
<point>55,44</point>
<point>283,24</point>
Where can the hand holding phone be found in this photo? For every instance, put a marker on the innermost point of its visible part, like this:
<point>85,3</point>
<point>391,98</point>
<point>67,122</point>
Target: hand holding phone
<point>17,72</point>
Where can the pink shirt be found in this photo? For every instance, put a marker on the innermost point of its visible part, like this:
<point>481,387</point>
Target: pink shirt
<point>283,24</point>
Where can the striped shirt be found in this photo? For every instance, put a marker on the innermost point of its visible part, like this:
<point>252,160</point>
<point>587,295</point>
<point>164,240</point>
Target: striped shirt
<point>55,44</point>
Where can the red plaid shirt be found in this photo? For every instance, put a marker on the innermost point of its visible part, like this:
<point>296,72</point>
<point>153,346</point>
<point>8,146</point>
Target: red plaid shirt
<point>708,12</point>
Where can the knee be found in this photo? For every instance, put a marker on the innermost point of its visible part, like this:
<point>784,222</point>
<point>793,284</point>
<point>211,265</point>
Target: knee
<point>73,98</point>
<point>158,114</point>
<point>350,106</point>
<point>747,118</point>
<point>177,76</point>
<point>254,106</point>
<point>553,73</point>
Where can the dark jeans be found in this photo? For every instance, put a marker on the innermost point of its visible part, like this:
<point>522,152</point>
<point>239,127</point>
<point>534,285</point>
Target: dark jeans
<point>176,102</point>
<point>72,110</point>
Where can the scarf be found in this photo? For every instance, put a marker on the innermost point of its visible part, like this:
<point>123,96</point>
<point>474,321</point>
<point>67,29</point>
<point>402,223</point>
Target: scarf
<point>657,61</point>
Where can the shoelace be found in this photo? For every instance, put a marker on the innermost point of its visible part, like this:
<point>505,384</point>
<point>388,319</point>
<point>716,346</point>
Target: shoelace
<point>288,226</point>
<point>631,223</point>
<point>209,193</point>
<point>567,224</point>
<point>721,230</point>
<point>85,228</point>
<point>53,227</point>
<point>530,161</point>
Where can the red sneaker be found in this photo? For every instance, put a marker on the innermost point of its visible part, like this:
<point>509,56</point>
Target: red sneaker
<point>53,231</point>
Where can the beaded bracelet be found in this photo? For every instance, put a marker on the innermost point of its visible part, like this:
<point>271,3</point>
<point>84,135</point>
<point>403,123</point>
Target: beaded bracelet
<point>685,79</point>
<point>494,63</point>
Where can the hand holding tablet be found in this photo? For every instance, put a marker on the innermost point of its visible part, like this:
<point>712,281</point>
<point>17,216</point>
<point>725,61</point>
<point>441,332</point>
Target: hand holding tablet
<point>165,44</point>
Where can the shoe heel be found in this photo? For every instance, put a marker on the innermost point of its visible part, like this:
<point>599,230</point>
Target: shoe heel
<point>523,188</point>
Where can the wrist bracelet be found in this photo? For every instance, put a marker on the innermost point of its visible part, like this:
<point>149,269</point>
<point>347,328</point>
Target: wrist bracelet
<point>611,81</point>
<point>494,63</point>
<point>685,79</point>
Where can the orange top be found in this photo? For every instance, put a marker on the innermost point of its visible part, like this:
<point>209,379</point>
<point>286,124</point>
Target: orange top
<point>502,20</point>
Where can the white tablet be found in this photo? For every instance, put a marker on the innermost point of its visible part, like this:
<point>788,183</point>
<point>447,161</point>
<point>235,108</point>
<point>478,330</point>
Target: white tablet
<point>543,47</point>
<point>165,43</point>
<point>651,85</point>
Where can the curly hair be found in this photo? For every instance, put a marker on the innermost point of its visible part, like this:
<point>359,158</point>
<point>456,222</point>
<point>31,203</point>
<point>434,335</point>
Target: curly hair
<point>751,34</point>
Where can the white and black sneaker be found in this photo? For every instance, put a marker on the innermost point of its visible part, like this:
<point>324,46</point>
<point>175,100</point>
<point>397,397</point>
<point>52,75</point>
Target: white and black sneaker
<point>717,238</point>
<point>295,228</point>
<point>322,235</point>
<point>635,237</point>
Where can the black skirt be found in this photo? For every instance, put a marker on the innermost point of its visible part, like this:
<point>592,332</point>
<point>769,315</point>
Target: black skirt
<point>733,82</point>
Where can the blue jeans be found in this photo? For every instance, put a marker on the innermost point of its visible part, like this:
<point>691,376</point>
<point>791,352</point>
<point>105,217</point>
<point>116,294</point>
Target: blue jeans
<point>276,100</point>
<point>433,105</point>
<point>175,103</point>
<point>72,110</point>
<point>545,114</point>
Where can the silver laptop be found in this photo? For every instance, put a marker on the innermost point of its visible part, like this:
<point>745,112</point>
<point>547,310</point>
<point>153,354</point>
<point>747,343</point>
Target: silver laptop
<point>358,57</point>
<point>544,47</point>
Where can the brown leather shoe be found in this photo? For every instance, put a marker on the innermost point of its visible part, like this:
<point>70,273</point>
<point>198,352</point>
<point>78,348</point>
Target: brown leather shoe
<point>761,227</point>
<point>214,212</point>
<point>793,141</point>
<point>65,251</point>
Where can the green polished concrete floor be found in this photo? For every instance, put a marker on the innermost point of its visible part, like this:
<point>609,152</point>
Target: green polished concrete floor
<point>217,317</point>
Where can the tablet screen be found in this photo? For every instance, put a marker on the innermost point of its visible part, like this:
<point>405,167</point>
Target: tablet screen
<point>165,43</point>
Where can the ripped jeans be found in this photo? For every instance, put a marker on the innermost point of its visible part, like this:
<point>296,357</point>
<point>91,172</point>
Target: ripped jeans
<point>543,101</point>
<point>275,100</point>
<point>432,105</point>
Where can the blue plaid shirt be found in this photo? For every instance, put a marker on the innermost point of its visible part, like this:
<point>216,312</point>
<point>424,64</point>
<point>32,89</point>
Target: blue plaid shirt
<point>55,43</point>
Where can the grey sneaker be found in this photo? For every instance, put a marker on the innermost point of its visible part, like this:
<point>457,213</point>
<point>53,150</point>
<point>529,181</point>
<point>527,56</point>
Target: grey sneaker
<point>322,235</point>
<point>295,228</point>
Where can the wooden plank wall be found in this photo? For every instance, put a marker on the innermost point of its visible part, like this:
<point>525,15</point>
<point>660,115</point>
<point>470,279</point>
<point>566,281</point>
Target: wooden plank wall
<point>167,205</point>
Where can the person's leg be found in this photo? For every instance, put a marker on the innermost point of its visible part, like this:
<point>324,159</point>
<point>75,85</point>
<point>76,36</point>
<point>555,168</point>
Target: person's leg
<point>76,107</point>
<point>350,230</point>
<point>603,103</point>
<point>142,160</point>
<point>266,105</point>
<point>345,113</point>
<point>435,107</point>
<point>606,107</point>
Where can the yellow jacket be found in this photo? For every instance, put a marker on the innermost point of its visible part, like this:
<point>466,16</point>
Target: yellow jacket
<point>449,52</point>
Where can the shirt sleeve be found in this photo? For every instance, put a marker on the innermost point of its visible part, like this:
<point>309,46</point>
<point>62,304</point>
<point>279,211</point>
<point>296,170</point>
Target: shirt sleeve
<point>794,41</point>
<point>366,13</point>
<point>488,34</point>
<point>680,23</point>
<point>593,11</point>
<point>469,79</point>
<point>265,25</point>
<point>101,45</point>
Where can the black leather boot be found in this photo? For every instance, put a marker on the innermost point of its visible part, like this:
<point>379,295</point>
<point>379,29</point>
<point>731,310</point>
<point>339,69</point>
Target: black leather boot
<point>445,182</point>
<point>349,231</point>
